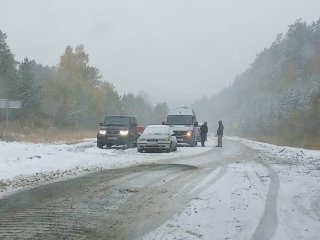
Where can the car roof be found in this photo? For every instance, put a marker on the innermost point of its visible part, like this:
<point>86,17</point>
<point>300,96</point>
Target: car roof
<point>158,126</point>
<point>182,111</point>
<point>126,116</point>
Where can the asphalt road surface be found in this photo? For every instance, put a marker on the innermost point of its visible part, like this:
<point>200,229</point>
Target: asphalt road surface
<point>125,203</point>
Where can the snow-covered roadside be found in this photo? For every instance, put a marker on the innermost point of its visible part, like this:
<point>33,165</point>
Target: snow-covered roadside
<point>26,164</point>
<point>299,192</point>
<point>294,156</point>
<point>234,206</point>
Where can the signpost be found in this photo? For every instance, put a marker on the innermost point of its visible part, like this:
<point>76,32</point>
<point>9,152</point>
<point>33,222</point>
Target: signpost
<point>9,104</point>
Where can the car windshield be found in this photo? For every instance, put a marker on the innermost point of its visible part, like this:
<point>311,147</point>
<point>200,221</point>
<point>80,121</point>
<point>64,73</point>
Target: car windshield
<point>116,120</point>
<point>179,120</point>
<point>156,130</point>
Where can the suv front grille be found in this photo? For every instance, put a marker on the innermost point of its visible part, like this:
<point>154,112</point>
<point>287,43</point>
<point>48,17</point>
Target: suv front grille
<point>180,133</point>
<point>113,131</point>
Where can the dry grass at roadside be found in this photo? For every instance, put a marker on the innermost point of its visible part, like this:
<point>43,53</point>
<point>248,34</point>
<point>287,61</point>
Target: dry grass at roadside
<point>46,133</point>
<point>49,136</point>
<point>307,143</point>
<point>68,137</point>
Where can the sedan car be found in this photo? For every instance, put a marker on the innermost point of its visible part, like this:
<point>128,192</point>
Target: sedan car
<point>157,138</point>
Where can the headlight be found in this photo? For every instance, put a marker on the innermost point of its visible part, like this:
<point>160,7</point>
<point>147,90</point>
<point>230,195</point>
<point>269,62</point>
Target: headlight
<point>189,134</point>
<point>102,132</point>
<point>124,132</point>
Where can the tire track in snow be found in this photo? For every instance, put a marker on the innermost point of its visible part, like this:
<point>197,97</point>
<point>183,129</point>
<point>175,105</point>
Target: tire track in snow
<point>269,221</point>
<point>213,177</point>
<point>315,204</point>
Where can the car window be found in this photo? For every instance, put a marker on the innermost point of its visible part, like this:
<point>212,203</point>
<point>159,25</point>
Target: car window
<point>179,120</point>
<point>116,120</point>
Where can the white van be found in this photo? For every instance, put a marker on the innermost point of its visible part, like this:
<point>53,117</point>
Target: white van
<point>183,122</point>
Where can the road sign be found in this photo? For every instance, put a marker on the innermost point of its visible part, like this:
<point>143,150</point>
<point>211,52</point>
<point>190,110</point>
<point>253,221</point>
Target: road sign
<point>8,103</point>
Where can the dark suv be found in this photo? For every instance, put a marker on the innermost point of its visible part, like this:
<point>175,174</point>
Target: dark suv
<point>118,130</point>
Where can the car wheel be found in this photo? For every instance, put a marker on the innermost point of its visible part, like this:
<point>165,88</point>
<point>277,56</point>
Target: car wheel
<point>109,145</point>
<point>99,145</point>
<point>139,150</point>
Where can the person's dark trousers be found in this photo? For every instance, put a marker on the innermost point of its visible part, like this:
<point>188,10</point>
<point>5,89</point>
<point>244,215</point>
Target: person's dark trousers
<point>203,139</point>
<point>219,141</point>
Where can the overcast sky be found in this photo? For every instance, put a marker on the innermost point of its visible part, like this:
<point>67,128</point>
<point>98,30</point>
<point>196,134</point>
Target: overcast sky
<point>175,50</point>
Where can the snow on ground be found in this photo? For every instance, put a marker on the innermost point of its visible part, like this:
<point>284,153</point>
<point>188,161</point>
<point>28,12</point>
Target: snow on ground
<point>298,170</point>
<point>27,164</point>
<point>236,206</point>
<point>226,210</point>
<point>230,209</point>
<point>294,156</point>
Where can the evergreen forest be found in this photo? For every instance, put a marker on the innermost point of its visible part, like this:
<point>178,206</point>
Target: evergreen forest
<point>277,99</point>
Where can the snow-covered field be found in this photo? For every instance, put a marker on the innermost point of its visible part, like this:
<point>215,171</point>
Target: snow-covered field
<point>281,187</point>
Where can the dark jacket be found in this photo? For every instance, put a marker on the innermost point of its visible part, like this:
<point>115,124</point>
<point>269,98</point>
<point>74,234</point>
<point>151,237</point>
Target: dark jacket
<point>203,130</point>
<point>220,129</point>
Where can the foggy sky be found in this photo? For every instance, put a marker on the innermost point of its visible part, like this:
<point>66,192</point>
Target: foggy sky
<point>176,50</point>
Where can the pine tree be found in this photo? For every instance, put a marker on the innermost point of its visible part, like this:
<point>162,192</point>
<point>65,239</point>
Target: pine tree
<point>27,90</point>
<point>8,73</point>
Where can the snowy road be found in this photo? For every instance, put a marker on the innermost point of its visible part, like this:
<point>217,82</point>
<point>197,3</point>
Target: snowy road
<point>245,190</point>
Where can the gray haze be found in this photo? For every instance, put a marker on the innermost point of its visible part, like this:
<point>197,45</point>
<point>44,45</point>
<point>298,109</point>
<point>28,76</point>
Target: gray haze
<point>175,50</point>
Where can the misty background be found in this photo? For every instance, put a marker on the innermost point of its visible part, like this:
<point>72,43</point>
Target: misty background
<point>176,51</point>
<point>254,65</point>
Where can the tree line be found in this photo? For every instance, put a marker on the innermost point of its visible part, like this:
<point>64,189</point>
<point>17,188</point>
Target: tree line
<point>72,94</point>
<point>277,98</point>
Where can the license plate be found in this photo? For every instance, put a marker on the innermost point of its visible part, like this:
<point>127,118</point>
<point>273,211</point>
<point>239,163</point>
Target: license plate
<point>112,138</point>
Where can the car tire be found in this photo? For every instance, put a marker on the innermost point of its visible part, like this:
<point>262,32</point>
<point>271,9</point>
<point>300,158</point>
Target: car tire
<point>109,145</point>
<point>99,145</point>
<point>140,150</point>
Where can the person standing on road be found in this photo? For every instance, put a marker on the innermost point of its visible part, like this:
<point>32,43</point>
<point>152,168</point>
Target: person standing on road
<point>220,133</point>
<point>203,133</point>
